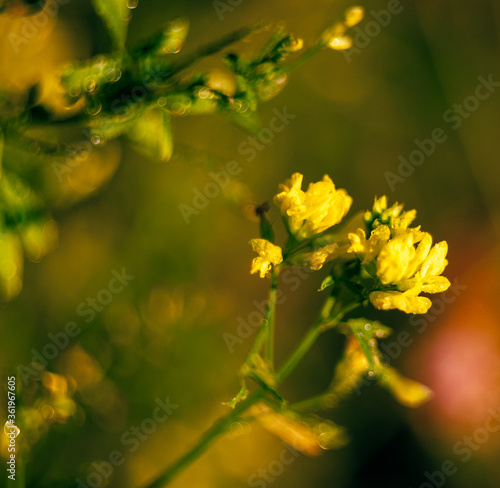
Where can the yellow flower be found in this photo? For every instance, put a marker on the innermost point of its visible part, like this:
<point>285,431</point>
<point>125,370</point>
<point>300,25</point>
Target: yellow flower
<point>269,254</point>
<point>383,215</point>
<point>314,211</point>
<point>290,199</point>
<point>371,247</point>
<point>402,259</point>
<point>408,392</point>
<point>318,258</point>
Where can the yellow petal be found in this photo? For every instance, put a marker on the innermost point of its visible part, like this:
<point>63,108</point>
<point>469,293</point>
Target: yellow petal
<point>309,435</point>
<point>318,258</point>
<point>436,260</point>
<point>340,43</point>
<point>378,239</point>
<point>421,253</point>
<point>358,242</point>
<point>436,284</point>
<point>353,16</point>
<point>380,204</point>
<point>406,302</point>
<point>260,265</point>
<point>393,261</point>
<point>408,392</point>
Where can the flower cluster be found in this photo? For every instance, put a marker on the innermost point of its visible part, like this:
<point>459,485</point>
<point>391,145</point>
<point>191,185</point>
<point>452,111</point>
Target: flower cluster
<point>401,259</point>
<point>311,212</point>
<point>397,262</point>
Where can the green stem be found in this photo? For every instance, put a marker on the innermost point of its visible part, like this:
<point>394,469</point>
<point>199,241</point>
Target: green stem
<point>306,55</point>
<point>214,47</point>
<point>266,331</point>
<point>322,401</point>
<point>270,316</point>
<point>322,323</point>
<point>219,428</point>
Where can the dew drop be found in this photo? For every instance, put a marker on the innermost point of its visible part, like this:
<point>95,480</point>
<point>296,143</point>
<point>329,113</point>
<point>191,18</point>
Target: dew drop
<point>131,4</point>
<point>48,411</point>
<point>96,139</point>
<point>173,46</point>
<point>89,85</point>
<point>371,373</point>
<point>10,429</point>
<point>74,91</point>
<point>368,327</point>
<point>93,107</point>
<point>111,75</point>
<point>236,104</point>
<point>162,101</point>
<point>244,106</point>
<point>361,335</point>
<point>177,24</point>
<point>205,93</point>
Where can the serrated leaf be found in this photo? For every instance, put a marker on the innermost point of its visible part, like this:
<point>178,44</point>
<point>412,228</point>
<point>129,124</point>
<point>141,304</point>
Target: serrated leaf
<point>115,15</point>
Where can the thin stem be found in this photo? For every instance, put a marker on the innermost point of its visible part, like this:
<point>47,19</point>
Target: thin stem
<point>266,331</point>
<point>322,401</point>
<point>219,428</point>
<point>306,55</point>
<point>270,317</point>
<point>322,323</point>
<point>214,47</point>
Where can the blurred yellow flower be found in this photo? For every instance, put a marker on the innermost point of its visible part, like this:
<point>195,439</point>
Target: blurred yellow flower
<point>269,254</point>
<point>334,37</point>
<point>408,392</point>
<point>314,211</point>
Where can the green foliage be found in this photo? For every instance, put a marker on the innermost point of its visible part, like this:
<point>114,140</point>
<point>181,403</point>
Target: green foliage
<point>132,94</point>
<point>115,15</point>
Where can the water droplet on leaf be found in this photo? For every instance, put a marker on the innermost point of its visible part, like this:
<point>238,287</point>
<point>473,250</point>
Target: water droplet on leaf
<point>93,106</point>
<point>11,429</point>
<point>90,85</point>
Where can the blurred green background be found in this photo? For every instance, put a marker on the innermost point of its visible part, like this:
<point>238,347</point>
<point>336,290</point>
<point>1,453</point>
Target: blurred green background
<point>355,115</point>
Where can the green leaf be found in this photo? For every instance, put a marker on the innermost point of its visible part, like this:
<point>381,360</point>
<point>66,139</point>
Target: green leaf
<point>266,229</point>
<point>328,281</point>
<point>115,15</point>
<point>152,134</point>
